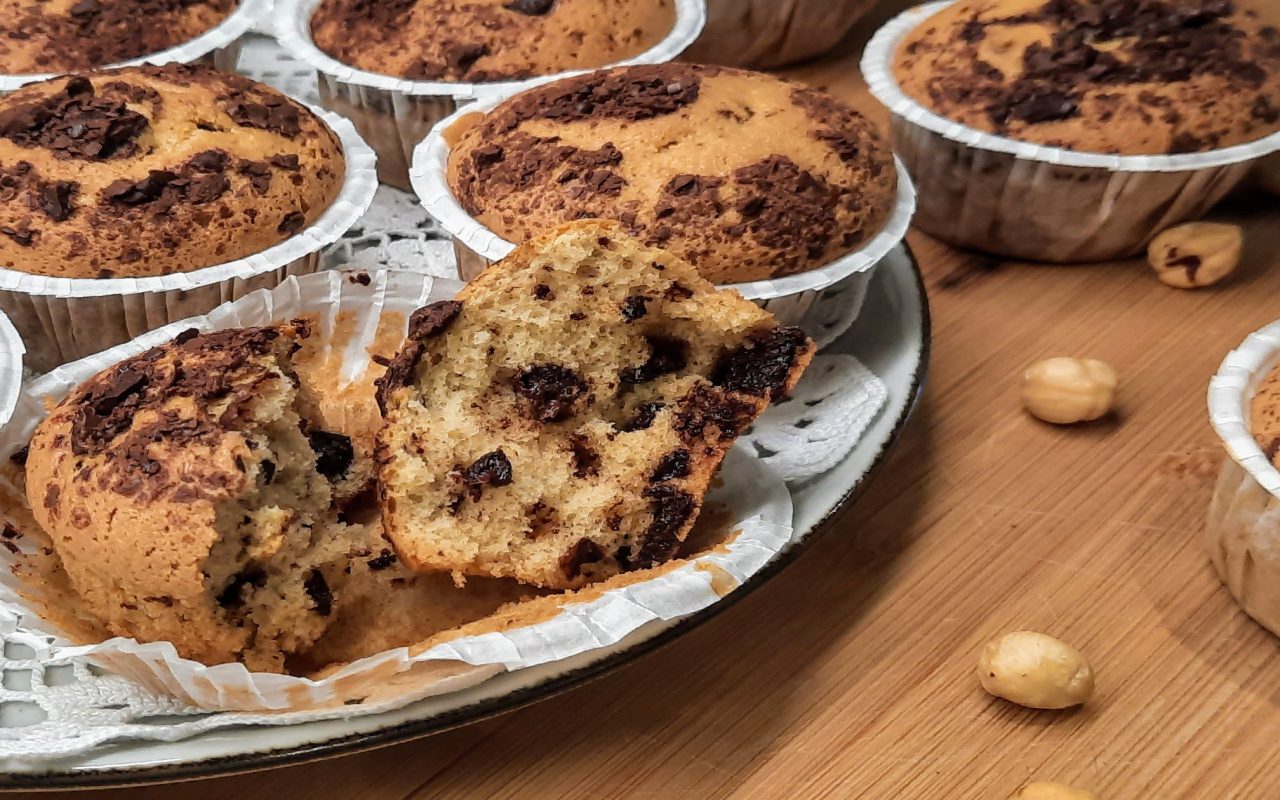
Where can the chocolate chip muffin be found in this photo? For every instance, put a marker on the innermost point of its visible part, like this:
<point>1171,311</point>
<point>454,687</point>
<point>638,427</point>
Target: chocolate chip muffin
<point>155,170</point>
<point>1265,416</point>
<point>190,500</point>
<point>560,421</point>
<point>480,41</point>
<point>54,36</point>
<point>745,175</point>
<point>1107,76</point>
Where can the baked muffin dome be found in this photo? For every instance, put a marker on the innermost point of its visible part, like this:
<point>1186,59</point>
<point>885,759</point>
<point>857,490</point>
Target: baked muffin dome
<point>190,499</point>
<point>1107,76</point>
<point>154,170</point>
<point>487,40</point>
<point>745,175</point>
<point>38,36</point>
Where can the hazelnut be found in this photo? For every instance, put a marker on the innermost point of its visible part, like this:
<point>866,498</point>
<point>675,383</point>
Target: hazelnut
<point>1196,254</point>
<point>1067,390</point>
<point>1051,790</point>
<point>1035,670</point>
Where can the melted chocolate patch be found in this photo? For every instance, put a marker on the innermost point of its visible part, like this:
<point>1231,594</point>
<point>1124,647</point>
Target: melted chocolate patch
<point>317,588</point>
<point>334,453</point>
<point>581,554</point>
<point>762,366</point>
<point>490,469</point>
<point>667,354</point>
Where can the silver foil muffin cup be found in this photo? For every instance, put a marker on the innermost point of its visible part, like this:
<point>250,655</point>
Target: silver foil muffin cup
<point>788,298</point>
<point>350,309</point>
<point>1243,530</point>
<point>219,46</point>
<point>395,114</point>
<point>61,319</point>
<point>1030,201</point>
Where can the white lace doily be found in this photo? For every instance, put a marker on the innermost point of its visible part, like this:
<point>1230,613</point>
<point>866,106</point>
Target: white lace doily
<point>51,708</point>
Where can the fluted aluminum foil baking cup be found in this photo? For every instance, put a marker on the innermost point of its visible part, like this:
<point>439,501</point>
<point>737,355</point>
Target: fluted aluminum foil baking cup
<point>219,46</point>
<point>394,114</point>
<point>788,298</point>
<point>756,503</point>
<point>1243,530</point>
<point>1024,200</point>
<point>62,319</point>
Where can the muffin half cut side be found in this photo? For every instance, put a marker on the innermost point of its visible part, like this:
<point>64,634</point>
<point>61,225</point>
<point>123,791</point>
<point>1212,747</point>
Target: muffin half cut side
<point>561,420</point>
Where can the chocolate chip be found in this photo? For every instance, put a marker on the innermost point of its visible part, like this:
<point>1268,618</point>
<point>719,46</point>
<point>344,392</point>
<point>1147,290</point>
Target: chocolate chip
<point>271,113</point>
<point>581,554</point>
<point>761,367</point>
<point>586,461</point>
<point>551,392</point>
<point>532,8</point>
<point>543,292</point>
<point>209,161</point>
<point>334,453</point>
<point>433,319</point>
<point>134,193</point>
<point>490,469</point>
<point>645,414</point>
<point>382,561</point>
<point>677,292</point>
<point>707,407</point>
<point>667,354</point>
<point>671,510</point>
<point>55,199</point>
<point>287,162</point>
<point>317,588</point>
<point>292,222</point>
<point>267,468</point>
<point>232,595</point>
<point>673,465</point>
<point>633,308</point>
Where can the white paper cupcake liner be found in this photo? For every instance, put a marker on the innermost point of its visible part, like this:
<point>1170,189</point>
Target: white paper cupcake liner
<point>1027,200</point>
<point>788,298</point>
<point>1243,530</point>
<point>220,45</point>
<point>61,319</point>
<point>394,114</point>
<point>11,352</point>
<point>756,500</point>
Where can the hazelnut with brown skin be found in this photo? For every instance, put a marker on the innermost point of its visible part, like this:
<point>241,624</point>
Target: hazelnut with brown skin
<point>1196,254</point>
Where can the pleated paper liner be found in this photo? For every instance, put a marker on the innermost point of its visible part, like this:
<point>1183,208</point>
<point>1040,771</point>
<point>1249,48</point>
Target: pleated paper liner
<point>354,314</point>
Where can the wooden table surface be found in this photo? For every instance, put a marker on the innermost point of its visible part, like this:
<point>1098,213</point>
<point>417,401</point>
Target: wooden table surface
<point>850,675</point>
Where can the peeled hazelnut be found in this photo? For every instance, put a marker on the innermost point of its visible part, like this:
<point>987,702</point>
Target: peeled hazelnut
<point>1035,670</point>
<point>1051,790</point>
<point>1066,390</point>
<point>1196,254</point>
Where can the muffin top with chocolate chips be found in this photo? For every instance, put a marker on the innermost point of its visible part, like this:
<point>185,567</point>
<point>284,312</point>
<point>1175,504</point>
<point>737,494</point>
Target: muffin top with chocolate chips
<point>1106,76</point>
<point>745,175</point>
<point>154,170</point>
<point>479,41</point>
<point>43,36</point>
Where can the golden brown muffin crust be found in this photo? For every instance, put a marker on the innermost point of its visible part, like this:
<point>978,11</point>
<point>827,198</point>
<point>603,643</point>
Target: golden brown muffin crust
<point>154,170</point>
<point>487,40</point>
<point>39,36</point>
<point>1107,76</point>
<point>745,175</point>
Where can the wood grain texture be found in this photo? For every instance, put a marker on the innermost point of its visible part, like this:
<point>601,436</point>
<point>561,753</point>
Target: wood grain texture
<point>851,674</point>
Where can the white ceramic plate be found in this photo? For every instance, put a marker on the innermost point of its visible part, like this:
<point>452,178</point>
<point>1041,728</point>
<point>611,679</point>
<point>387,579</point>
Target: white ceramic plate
<point>891,337</point>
